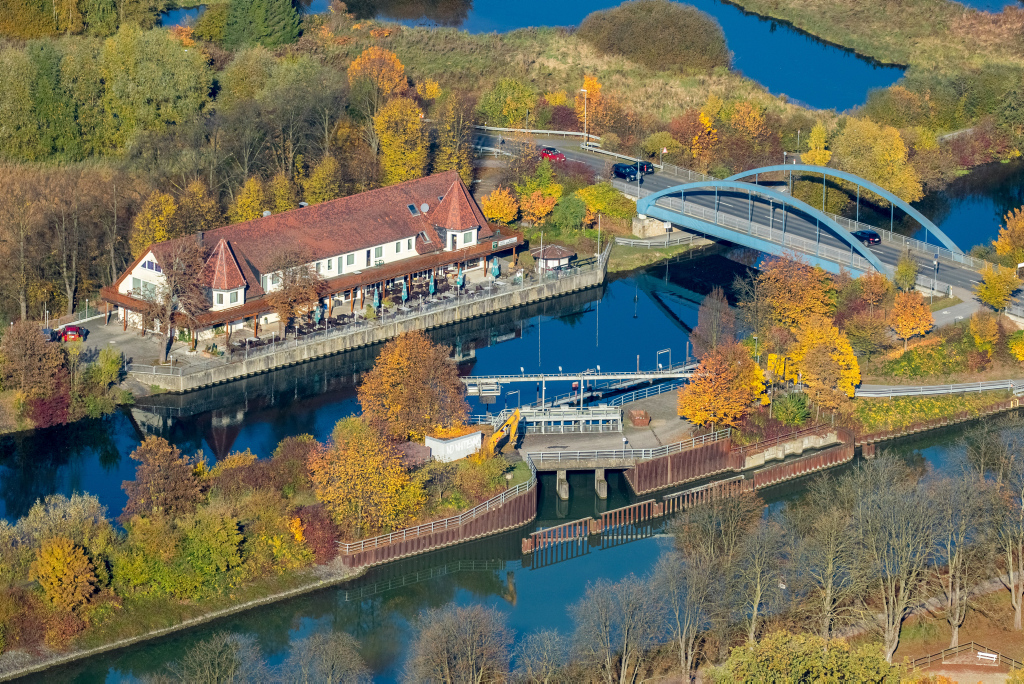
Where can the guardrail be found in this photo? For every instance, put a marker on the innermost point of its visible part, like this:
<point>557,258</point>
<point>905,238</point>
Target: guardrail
<point>669,242</point>
<point>564,134</point>
<point>639,394</point>
<point>440,525</point>
<point>627,454</point>
<point>962,388</point>
<point>956,650</point>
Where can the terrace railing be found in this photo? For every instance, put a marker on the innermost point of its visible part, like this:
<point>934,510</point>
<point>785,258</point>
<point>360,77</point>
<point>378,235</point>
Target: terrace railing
<point>631,455</point>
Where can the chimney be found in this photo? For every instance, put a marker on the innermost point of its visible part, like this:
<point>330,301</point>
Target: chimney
<point>199,238</point>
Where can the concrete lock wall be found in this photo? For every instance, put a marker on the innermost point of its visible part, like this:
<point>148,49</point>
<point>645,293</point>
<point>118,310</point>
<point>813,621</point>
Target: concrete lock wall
<point>448,450</point>
<point>367,336</point>
<point>793,447</point>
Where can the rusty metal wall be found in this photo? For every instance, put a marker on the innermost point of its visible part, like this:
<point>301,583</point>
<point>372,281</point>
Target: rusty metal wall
<point>692,464</point>
<point>803,466</point>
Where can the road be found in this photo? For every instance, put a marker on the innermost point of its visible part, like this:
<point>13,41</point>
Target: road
<point>760,210</point>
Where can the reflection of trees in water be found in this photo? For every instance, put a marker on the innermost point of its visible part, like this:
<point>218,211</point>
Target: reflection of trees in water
<point>439,12</point>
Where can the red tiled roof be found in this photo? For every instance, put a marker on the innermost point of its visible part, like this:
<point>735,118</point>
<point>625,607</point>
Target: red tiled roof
<point>553,252</point>
<point>458,211</point>
<point>222,272</point>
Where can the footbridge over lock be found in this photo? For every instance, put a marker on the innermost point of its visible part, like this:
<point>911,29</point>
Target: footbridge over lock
<point>743,210</point>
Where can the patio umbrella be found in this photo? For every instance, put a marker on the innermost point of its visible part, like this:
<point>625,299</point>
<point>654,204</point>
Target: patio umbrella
<point>316,314</point>
<point>376,298</point>
<point>458,281</point>
<point>496,270</point>
<point>405,291</point>
<point>431,282</point>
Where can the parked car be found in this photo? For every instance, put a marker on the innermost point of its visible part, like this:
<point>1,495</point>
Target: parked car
<point>868,237</point>
<point>626,171</point>
<point>71,333</point>
<point>48,334</point>
<point>646,168</point>
<point>552,154</point>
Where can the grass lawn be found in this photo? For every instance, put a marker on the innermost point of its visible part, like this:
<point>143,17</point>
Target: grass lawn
<point>944,303</point>
<point>520,474</point>
<point>631,258</point>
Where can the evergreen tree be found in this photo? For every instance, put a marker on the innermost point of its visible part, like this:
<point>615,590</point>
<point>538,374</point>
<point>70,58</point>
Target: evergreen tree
<point>267,22</point>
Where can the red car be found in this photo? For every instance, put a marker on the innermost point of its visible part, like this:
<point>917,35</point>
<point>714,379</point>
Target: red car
<point>71,333</point>
<point>551,153</point>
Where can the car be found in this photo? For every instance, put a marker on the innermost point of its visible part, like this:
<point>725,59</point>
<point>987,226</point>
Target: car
<point>48,334</point>
<point>646,168</point>
<point>868,237</point>
<point>71,333</point>
<point>552,154</point>
<point>626,171</point>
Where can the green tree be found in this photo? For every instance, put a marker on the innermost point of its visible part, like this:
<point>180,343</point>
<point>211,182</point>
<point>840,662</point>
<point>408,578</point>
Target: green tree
<point>1011,115</point>
<point>508,104</point>
<point>569,213</point>
<point>212,543</point>
<point>20,127</point>
<point>905,276</point>
<point>57,134</point>
<point>662,140</point>
<point>212,23</point>
<point>454,132</point>
<point>265,22</point>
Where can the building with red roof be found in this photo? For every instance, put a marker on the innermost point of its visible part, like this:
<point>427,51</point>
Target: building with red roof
<point>355,244</point>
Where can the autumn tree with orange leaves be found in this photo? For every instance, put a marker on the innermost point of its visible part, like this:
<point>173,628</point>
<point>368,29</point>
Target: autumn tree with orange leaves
<point>795,291</point>
<point>360,479</point>
<point>536,207</point>
<point>722,389</point>
<point>910,316</point>
<point>1011,236</point>
<point>874,288</point>
<point>375,77</point>
<point>592,107</point>
<point>413,389</point>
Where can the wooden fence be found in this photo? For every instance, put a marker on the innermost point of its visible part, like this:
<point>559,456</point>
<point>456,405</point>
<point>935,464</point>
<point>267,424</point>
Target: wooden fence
<point>956,650</point>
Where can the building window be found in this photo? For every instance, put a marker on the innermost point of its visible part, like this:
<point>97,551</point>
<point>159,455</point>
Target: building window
<point>350,259</point>
<point>378,252</point>
<point>220,298</point>
<point>408,243</point>
<point>234,297</point>
<point>398,247</point>
<point>467,237</point>
<point>275,279</point>
<point>152,266</point>
<point>318,267</point>
<point>329,264</point>
<point>136,285</point>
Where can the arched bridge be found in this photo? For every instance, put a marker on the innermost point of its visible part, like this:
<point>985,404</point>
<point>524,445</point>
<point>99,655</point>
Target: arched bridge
<point>773,221</point>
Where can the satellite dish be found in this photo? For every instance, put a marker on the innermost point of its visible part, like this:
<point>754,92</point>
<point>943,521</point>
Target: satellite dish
<point>424,208</point>
<point>266,213</point>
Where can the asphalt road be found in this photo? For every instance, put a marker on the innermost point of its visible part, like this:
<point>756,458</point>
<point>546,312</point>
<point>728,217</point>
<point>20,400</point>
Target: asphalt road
<point>739,205</point>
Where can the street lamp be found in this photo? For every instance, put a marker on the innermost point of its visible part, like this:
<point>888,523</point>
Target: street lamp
<point>935,275</point>
<point>756,354</point>
<point>586,135</point>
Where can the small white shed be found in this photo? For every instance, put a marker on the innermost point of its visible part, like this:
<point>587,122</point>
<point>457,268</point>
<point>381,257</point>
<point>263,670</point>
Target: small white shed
<point>553,256</point>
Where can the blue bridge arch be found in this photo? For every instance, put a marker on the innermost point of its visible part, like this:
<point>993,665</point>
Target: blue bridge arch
<point>647,206</point>
<point>867,185</point>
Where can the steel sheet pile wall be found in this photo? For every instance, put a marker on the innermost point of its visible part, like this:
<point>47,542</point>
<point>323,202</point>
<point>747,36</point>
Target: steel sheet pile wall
<point>514,513</point>
<point>803,466</point>
<point>684,466</point>
<point>925,425</point>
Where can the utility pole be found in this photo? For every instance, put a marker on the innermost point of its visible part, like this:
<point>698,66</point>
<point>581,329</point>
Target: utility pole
<point>586,132</point>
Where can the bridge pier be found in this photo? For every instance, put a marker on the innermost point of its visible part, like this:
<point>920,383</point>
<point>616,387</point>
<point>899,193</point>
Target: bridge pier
<point>562,486</point>
<point>600,484</point>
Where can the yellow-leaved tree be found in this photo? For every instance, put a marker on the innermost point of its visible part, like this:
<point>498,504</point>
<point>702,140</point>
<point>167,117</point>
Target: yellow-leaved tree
<point>985,331</point>
<point>403,149</point>
<point>361,481</point>
<point>197,210</point>
<point>910,316</point>
<point>250,202</point>
<point>413,389</point>
<point>428,89</point>
<point>826,362</point>
<point>1011,236</point>
<point>591,106</point>
<point>64,572</point>
<point>702,146</point>
<point>153,222</point>
<point>878,154</point>
<point>282,194</point>
<point>454,133</point>
<point>722,389</point>
<point>749,119</point>
<point>324,183</point>
<point>816,154</point>
<point>380,69</point>
<point>500,206</point>
<point>997,286</point>
<point>874,288</point>
<point>795,291</point>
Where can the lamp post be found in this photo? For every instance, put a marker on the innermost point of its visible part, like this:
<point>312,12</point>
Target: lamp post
<point>756,354</point>
<point>586,133</point>
<point>935,275</point>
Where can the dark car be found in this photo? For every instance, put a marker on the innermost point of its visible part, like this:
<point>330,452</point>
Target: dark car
<point>646,168</point>
<point>71,333</point>
<point>551,153</point>
<point>627,171</point>
<point>868,237</point>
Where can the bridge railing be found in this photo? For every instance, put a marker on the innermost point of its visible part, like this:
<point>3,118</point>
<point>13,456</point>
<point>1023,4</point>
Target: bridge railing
<point>669,242</point>
<point>625,454</point>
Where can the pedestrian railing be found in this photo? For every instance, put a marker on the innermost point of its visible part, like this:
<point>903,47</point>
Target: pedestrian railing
<point>454,522</point>
<point>626,454</point>
<point>667,242</point>
<point>869,391</point>
<point>941,656</point>
<point>154,370</point>
<point>639,394</point>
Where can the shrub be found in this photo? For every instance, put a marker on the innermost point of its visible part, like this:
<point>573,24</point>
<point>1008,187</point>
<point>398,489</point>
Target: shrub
<point>320,533</point>
<point>792,409</point>
<point>61,628</point>
<point>1015,343</point>
<point>650,31</point>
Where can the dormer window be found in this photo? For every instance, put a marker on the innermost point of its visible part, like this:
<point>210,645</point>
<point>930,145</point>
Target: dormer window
<point>413,210</point>
<point>152,266</point>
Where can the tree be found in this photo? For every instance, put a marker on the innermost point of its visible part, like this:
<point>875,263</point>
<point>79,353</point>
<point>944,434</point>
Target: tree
<point>375,76</point>
<point>719,393</point>
<point>716,324</point>
<point>403,149</point>
<point>1011,236</point>
<point>569,213</point>
<point>749,119</point>
<point>361,481</point>
<point>282,193</point>
<point>500,206</point>
<point>454,137</point>
<point>905,276</point>
<point>878,154</point>
<point>795,291</point>
<point>997,286</point>
<point>752,302</point>
<point>195,211</point>
<point>153,222</point>
<point>653,144</point>
<point>264,22</point>
<point>874,288</point>
<point>1009,534</point>
<point>413,389</point>
<point>64,572</point>
<point>324,183</point>
<point>816,154</point>
<point>181,295</point>
<point>715,529</point>
<point>298,289</point>
<point>164,484</point>
<point>508,104</point>
<point>326,658</point>
<point>758,569</point>
<point>456,644</point>
<point>542,657</point>
<point>536,207</point>
<point>615,627</point>
<point>782,656</point>
<point>250,202</point>
<point>591,108</point>
<point>224,658</point>
<point>910,316</point>
<point>688,586</point>
<point>823,355</point>
<point>30,364</point>
<point>895,523</point>
<point>703,144</point>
